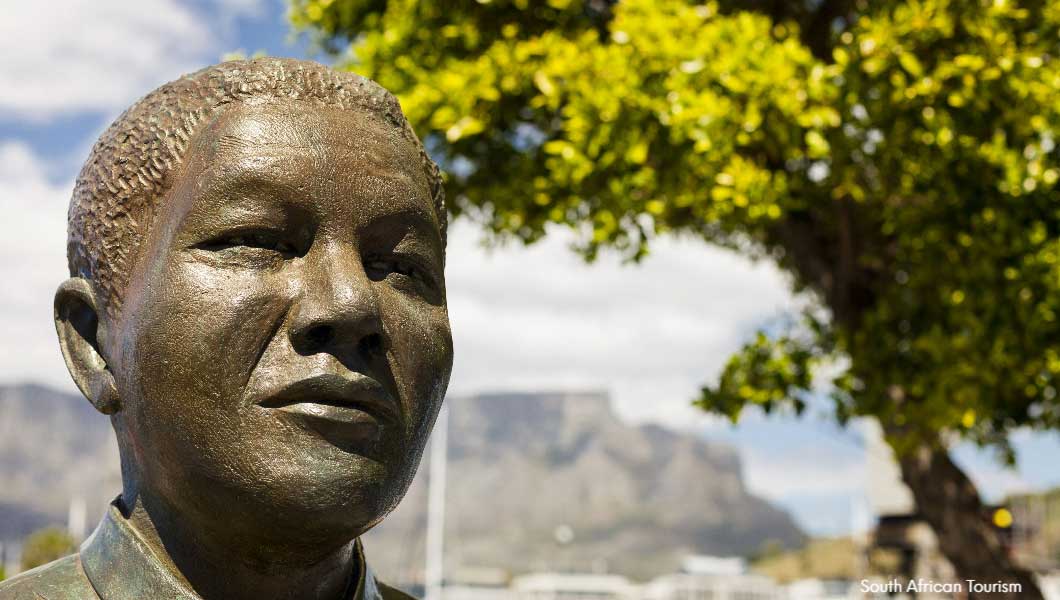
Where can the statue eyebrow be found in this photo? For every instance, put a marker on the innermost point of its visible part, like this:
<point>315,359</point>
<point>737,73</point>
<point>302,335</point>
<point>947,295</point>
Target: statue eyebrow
<point>242,192</point>
<point>416,216</point>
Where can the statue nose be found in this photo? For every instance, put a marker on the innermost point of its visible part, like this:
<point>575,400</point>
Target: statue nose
<point>337,310</point>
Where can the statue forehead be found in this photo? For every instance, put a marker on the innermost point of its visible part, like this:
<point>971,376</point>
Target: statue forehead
<point>296,145</point>
<point>278,124</point>
<point>305,149</point>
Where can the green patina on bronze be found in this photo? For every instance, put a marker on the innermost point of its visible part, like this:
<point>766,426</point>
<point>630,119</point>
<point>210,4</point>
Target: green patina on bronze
<point>257,299</point>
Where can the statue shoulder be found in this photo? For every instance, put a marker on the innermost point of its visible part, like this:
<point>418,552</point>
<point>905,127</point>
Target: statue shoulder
<point>389,593</point>
<point>63,579</point>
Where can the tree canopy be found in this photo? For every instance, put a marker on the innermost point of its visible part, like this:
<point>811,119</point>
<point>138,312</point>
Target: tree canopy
<point>897,158</point>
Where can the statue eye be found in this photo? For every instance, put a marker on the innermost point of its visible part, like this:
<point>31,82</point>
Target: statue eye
<point>252,240</point>
<point>379,268</point>
<point>407,271</point>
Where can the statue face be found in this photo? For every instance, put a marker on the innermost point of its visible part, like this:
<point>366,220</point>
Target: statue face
<point>284,345</point>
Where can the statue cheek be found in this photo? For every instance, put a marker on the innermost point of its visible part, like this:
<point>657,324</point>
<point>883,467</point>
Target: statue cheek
<point>421,358</point>
<point>198,336</point>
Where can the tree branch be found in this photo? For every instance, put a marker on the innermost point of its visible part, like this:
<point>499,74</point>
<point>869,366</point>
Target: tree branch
<point>817,31</point>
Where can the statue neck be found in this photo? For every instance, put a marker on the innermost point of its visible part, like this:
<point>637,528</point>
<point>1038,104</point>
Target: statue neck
<point>223,566</point>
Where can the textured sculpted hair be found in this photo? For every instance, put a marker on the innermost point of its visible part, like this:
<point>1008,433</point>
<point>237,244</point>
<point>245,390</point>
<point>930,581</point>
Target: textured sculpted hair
<point>131,165</point>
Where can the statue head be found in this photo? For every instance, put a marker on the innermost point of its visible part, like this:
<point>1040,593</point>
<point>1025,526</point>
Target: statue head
<point>257,300</point>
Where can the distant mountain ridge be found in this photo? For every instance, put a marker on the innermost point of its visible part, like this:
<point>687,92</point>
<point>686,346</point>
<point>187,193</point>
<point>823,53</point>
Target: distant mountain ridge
<point>53,447</point>
<point>522,467</point>
<point>636,499</point>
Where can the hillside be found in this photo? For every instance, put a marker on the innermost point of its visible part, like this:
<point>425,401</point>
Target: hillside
<point>53,447</point>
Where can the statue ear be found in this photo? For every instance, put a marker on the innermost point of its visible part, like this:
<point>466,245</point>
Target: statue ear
<point>79,327</point>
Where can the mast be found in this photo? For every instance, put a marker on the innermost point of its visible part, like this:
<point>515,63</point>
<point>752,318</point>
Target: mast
<point>433,576</point>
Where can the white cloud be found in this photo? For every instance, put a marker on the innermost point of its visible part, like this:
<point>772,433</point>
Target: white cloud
<point>70,56</point>
<point>818,470</point>
<point>33,245</point>
<point>539,317</point>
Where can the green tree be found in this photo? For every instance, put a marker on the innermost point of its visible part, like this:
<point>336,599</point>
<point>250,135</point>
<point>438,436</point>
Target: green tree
<point>45,545</point>
<point>897,158</point>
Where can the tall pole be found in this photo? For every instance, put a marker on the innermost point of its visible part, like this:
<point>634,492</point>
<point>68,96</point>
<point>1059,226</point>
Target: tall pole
<point>436,506</point>
<point>76,518</point>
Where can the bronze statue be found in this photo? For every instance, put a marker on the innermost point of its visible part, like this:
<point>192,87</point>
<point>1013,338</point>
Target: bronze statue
<point>257,300</point>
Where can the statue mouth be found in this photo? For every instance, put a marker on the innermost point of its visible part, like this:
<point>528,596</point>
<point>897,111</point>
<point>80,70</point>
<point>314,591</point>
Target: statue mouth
<point>336,406</point>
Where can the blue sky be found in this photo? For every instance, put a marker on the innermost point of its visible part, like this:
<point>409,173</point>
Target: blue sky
<point>524,318</point>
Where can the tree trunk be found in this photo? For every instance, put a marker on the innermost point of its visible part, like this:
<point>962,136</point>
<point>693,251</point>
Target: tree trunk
<point>950,504</point>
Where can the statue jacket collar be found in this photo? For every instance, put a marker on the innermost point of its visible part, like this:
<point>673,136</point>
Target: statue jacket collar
<point>121,566</point>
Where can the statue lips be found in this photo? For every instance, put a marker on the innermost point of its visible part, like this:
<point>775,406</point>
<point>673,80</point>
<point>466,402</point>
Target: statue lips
<point>345,410</point>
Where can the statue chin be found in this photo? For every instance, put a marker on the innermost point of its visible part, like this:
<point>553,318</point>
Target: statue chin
<point>309,501</point>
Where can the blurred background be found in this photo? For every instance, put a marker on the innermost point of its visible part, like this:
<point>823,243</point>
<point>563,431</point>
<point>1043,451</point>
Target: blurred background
<point>711,266</point>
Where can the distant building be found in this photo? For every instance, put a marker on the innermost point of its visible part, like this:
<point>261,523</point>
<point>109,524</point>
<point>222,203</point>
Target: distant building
<point>461,591</point>
<point>818,589</point>
<point>712,578</point>
<point>686,586</point>
<point>478,583</point>
<point>698,564</point>
<point>572,586</point>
